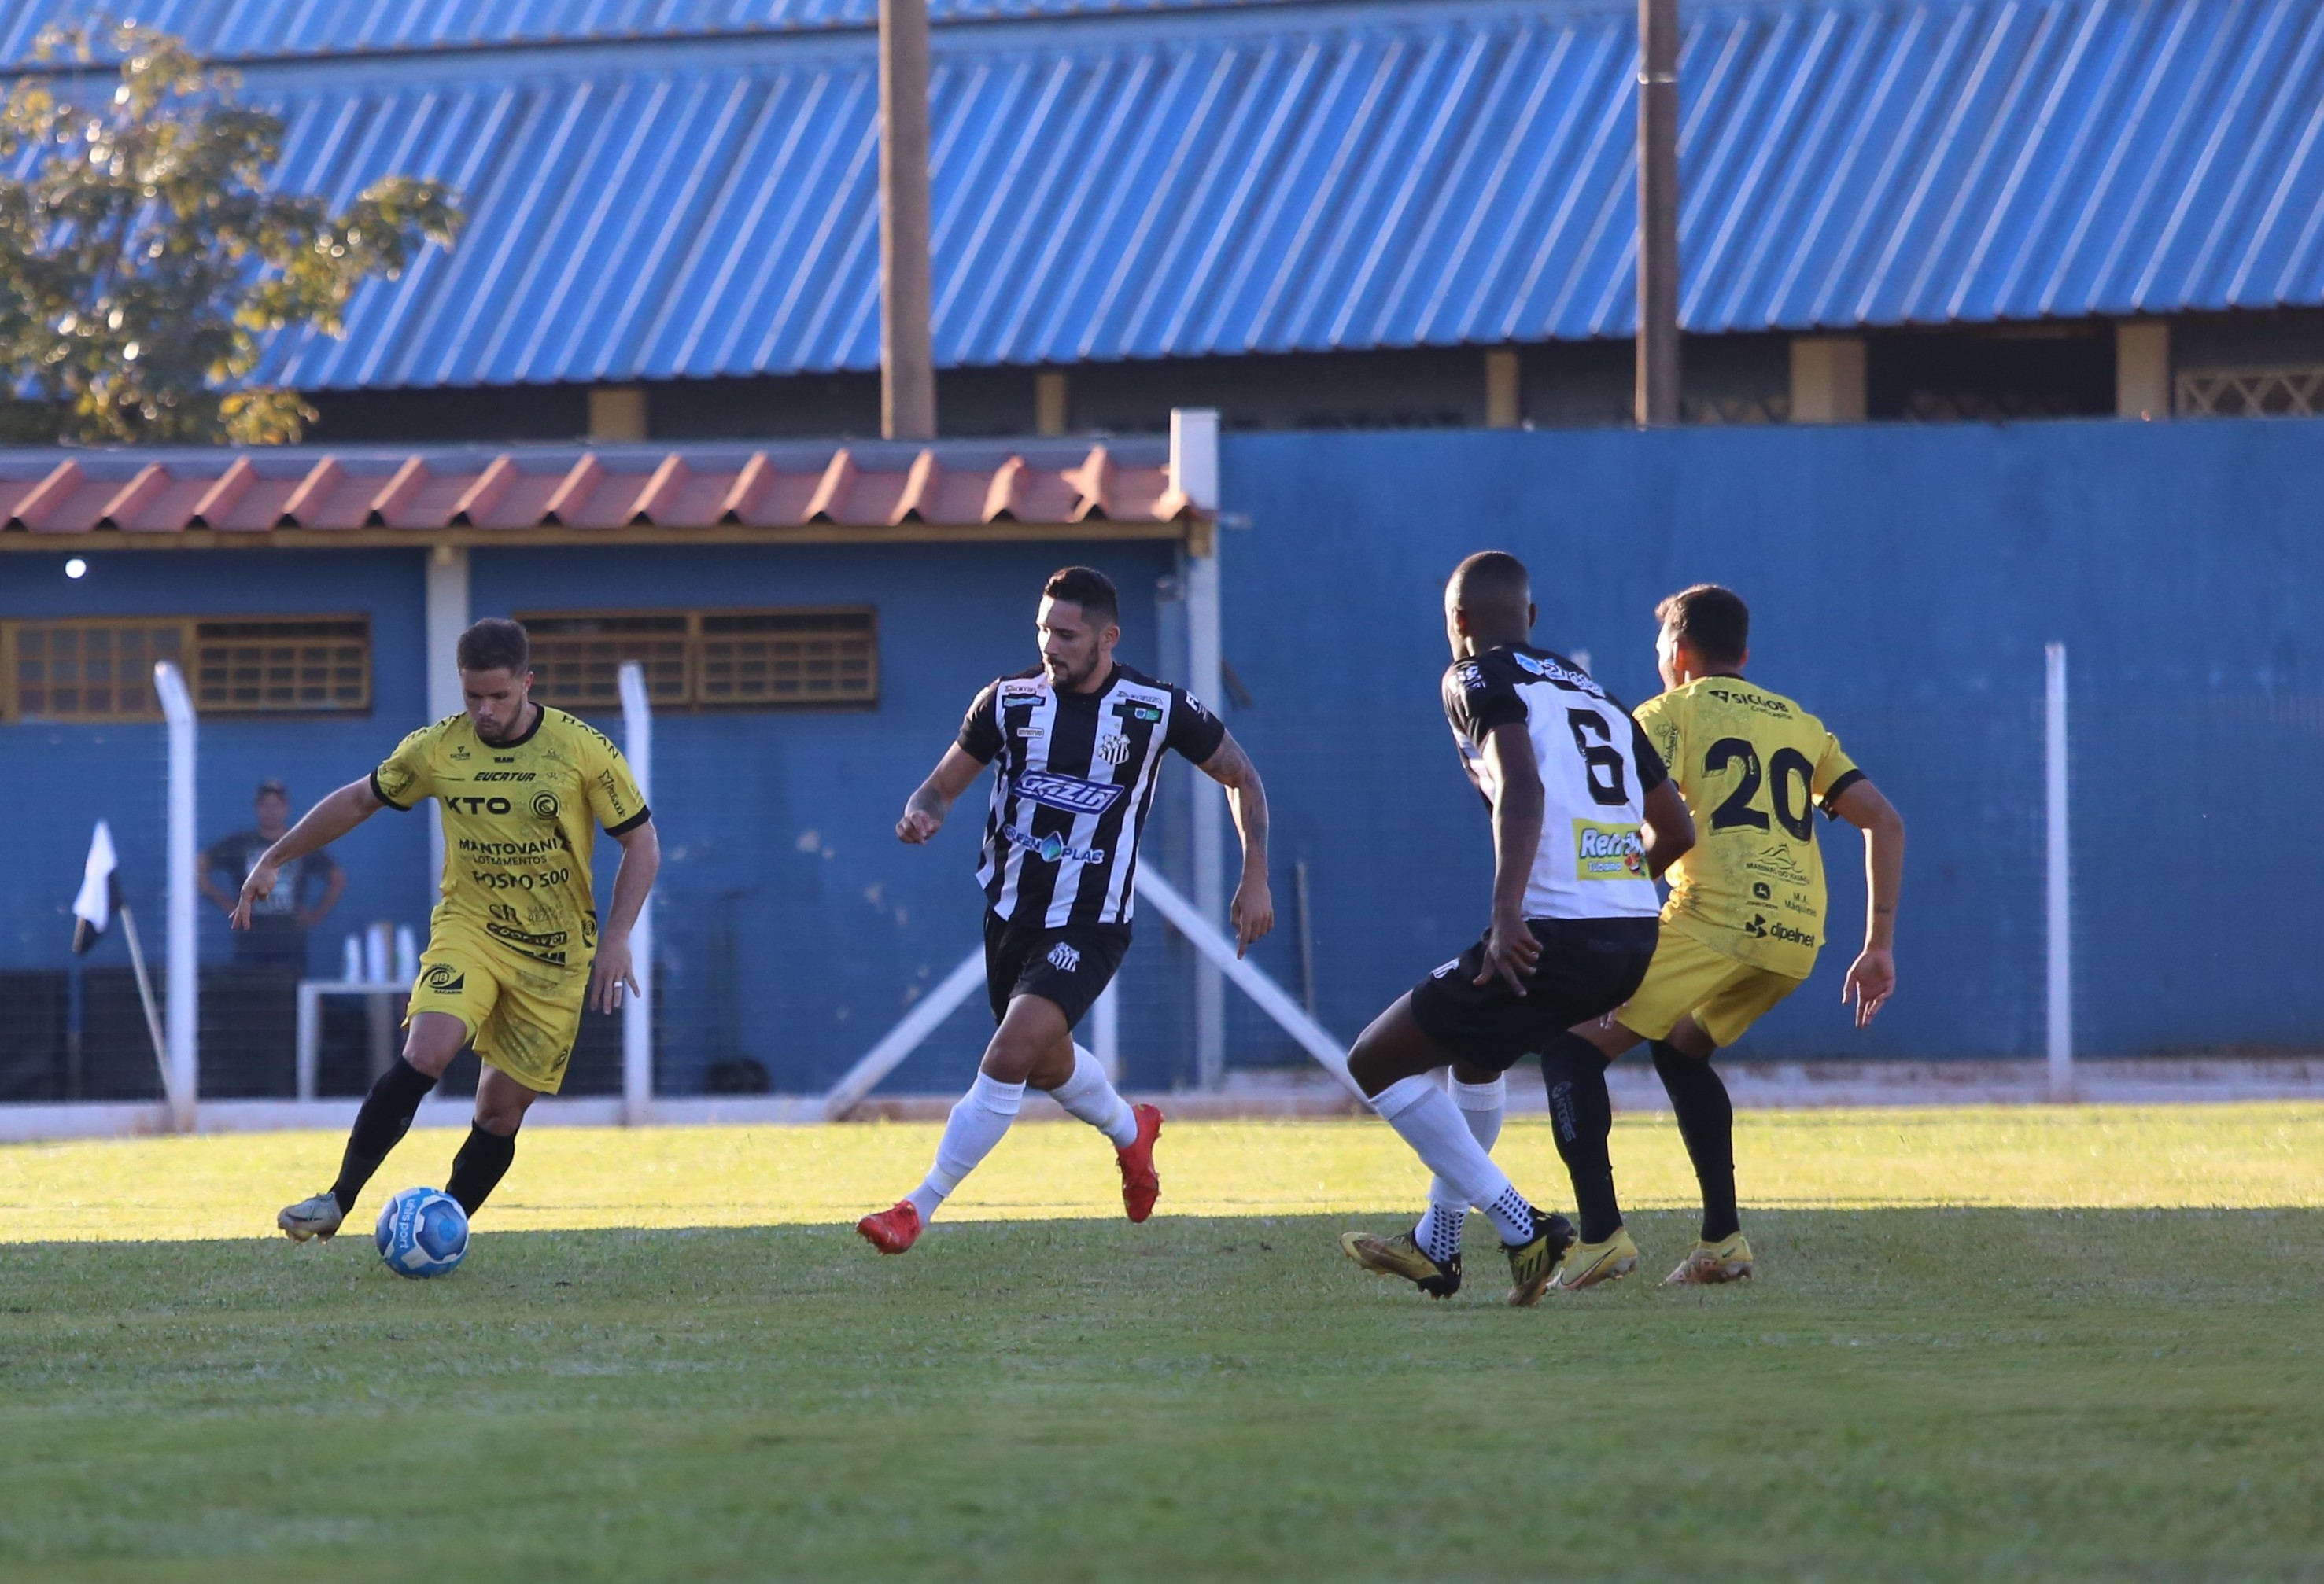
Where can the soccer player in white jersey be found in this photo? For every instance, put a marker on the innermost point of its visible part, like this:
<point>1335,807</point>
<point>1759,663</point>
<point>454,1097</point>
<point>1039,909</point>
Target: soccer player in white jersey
<point>1079,741</point>
<point>1584,817</point>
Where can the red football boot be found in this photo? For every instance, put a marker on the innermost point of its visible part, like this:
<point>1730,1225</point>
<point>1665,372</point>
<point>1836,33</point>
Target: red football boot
<point>891,1231</point>
<point>1141,1185</point>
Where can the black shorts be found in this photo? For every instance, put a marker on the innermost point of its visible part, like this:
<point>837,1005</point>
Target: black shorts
<point>1070,965</point>
<point>1587,968</point>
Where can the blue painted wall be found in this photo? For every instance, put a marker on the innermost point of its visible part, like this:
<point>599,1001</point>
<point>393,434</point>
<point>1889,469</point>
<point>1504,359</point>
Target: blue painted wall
<point>793,928</point>
<point>1902,581</point>
<point>59,780</point>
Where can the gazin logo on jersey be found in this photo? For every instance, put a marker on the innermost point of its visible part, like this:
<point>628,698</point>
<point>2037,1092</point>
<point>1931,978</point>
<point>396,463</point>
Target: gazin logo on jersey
<point>1608,852</point>
<point>1050,849</point>
<point>1070,794</point>
<point>1550,671</point>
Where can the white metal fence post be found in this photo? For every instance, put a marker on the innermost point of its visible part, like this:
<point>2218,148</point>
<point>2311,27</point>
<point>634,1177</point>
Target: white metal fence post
<point>183,1013</point>
<point>1194,471</point>
<point>2060,878</point>
<point>637,1017</point>
<point>446,619</point>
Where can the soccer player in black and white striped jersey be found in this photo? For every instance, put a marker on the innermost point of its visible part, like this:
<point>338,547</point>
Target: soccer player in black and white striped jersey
<point>1079,741</point>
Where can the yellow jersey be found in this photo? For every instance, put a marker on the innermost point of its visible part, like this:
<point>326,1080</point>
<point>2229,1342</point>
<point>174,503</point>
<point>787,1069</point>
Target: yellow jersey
<point>1753,767</point>
<point>520,823</point>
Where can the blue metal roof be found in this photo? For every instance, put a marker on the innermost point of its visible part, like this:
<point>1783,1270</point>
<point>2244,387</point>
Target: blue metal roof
<point>1314,176</point>
<point>243,30</point>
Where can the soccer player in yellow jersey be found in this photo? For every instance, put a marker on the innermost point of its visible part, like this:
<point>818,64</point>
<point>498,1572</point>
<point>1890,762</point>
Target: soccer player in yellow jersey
<point>1742,924</point>
<point>515,948</point>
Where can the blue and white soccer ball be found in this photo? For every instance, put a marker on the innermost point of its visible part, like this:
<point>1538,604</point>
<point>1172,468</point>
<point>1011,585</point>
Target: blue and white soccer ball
<point>422,1232</point>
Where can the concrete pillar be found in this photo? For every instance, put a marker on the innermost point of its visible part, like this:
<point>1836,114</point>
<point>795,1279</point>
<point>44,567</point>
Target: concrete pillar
<point>1194,469</point>
<point>1657,348</point>
<point>908,370</point>
<point>1504,405</point>
<point>2142,368</point>
<point>1827,379</point>
<point>617,412</point>
<point>1051,409</point>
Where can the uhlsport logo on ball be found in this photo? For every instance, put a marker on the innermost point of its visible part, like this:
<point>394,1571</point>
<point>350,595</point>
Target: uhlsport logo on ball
<point>422,1232</point>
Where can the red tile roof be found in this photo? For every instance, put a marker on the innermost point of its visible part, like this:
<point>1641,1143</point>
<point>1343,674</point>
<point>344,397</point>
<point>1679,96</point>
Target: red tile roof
<point>787,491</point>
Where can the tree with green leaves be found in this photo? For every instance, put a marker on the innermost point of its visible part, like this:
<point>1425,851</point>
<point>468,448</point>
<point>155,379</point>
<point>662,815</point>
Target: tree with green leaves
<point>143,256</point>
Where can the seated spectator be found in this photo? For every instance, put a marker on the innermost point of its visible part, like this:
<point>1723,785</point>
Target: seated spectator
<point>279,923</point>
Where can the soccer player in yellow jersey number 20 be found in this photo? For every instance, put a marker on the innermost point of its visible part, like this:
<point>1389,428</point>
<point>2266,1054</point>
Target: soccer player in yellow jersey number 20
<point>516,947</point>
<point>1746,912</point>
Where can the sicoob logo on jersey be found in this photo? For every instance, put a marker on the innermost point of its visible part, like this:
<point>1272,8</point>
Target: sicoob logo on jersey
<point>1069,793</point>
<point>544,804</point>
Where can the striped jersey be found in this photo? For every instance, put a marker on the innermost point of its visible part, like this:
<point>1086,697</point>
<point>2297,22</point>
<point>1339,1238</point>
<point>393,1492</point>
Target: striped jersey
<point>1074,781</point>
<point>1597,768</point>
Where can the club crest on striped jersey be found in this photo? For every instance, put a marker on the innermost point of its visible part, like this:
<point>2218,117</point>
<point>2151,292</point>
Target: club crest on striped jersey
<point>1067,794</point>
<point>1112,750</point>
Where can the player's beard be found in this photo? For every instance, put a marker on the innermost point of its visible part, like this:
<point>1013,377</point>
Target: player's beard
<point>1071,681</point>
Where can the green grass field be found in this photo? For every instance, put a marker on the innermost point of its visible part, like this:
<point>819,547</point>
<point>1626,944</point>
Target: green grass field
<point>2004,1344</point>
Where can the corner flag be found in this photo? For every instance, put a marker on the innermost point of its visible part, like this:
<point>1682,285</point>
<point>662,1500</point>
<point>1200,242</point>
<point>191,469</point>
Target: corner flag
<point>100,892</point>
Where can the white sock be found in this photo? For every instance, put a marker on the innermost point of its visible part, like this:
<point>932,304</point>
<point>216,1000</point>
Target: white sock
<point>1483,1106</point>
<point>1426,1118</point>
<point>976,1124</point>
<point>1090,1095</point>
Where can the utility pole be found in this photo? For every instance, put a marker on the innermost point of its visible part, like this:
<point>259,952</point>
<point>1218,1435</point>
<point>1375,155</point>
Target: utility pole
<point>908,374</point>
<point>1657,392</point>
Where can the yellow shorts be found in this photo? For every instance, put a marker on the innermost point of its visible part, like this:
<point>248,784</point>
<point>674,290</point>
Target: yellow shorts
<point>1725,996</point>
<point>521,1016</point>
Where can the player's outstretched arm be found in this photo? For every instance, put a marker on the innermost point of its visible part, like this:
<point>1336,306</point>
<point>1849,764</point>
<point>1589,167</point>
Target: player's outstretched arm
<point>613,971</point>
<point>1510,949</point>
<point>1252,912</point>
<point>925,810</point>
<point>322,825</point>
<point>1670,828</point>
<point>1872,977</point>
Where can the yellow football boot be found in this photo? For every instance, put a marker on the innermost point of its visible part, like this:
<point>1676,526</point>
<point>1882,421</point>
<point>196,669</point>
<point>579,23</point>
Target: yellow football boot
<point>1401,1255</point>
<point>1588,1264</point>
<point>1707,1265</point>
<point>1533,1263</point>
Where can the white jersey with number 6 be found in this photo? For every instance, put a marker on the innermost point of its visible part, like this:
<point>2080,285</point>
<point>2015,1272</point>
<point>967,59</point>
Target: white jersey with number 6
<point>1596,770</point>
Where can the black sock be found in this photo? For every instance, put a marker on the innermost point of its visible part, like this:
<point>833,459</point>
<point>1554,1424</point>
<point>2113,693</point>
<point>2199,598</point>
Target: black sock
<point>479,1166</point>
<point>380,1126</point>
<point>1706,1120</point>
<point>1581,1115</point>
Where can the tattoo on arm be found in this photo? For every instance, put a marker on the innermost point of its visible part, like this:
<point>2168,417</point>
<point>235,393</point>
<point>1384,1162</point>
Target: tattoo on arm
<point>1231,768</point>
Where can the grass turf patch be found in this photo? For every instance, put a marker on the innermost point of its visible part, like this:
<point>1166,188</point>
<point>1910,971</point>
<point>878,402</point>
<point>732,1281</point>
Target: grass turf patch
<point>2094,1157</point>
<point>1976,1393</point>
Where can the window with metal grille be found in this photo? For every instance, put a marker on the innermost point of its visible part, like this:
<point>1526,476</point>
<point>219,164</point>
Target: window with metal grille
<point>87,671</point>
<point>2291,391</point>
<point>296,665</point>
<point>708,660</point>
<point>103,670</point>
<point>576,659</point>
